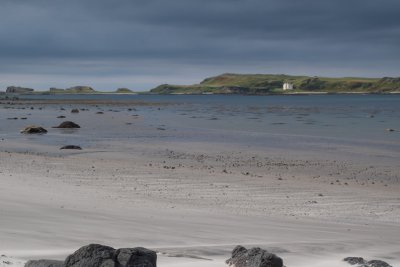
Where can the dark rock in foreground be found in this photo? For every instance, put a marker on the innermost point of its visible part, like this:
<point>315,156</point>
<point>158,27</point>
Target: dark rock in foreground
<point>33,129</point>
<point>44,263</point>
<point>68,124</point>
<point>95,255</point>
<point>131,257</point>
<point>360,262</point>
<point>254,257</point>
<point>71,147</point>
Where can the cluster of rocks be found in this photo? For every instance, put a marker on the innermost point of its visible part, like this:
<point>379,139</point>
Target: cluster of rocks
<point>95,255</point>
<point>361,262</point>
<point>34,129</point>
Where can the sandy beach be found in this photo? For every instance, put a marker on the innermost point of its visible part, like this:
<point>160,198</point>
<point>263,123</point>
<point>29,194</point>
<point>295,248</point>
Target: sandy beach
<point>193,202</point>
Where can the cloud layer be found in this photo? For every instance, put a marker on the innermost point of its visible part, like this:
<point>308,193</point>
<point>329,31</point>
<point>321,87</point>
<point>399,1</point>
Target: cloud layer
<point>141,43</point>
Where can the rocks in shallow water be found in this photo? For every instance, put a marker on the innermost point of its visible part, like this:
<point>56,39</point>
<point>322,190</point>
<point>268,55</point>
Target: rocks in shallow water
<point>71,147</point>
<point>61,117</point>
<point>95,255</point>
<point>75,110</point>
<point>254,257</point>
<point>44,263</point>
<point>33,129</point>
<point>360,262</point>
<point>390,130</point>
<point>68,124</point>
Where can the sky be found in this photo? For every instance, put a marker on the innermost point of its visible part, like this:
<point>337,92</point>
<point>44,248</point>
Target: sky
<point>139,44</point>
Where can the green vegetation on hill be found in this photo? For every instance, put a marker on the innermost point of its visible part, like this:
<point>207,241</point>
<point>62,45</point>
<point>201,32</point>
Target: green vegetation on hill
<point>272,84</point>
<point>123,91</point>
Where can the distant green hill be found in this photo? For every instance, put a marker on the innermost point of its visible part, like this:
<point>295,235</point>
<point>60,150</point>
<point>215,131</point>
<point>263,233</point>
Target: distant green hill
<point>123,91</point>
<point>272,84</point>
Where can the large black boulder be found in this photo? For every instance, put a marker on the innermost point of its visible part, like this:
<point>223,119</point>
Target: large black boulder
<point>254,257</point>
<point>93,255</point>
<point>44,263</point>
<point>132,257</point>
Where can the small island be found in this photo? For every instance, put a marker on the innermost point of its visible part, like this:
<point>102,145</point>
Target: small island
<point>58,91</point>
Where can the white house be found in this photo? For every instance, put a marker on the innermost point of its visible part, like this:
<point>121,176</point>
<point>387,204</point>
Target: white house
<point>287,86</point>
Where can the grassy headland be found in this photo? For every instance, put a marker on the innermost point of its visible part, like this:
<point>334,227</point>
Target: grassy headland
<point>258,84</point>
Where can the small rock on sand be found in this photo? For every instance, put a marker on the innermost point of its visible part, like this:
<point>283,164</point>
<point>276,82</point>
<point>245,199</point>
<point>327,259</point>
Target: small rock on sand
<point>71,147</point>
<point>68,124</point>
<point>33,129</point>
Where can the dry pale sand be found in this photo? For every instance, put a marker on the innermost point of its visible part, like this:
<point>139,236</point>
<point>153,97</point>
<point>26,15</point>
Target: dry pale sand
<point>193,202</point>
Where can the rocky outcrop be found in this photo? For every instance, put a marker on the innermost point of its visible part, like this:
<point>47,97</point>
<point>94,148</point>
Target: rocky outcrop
<point>67,124</point>
<point>95,255</point>
<point>33,129</point>
<point>254,257</point>
<point>360,262</point>
<point>18,90</point>
<point>44,263</point>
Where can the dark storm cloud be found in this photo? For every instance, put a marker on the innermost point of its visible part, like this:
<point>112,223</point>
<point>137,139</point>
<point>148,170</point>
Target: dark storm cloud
<point>160,39</point>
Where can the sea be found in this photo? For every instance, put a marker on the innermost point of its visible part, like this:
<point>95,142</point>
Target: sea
<point>353,126</point>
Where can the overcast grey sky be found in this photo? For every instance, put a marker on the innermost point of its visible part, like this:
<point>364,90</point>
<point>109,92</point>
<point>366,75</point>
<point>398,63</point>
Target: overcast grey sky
<point>142,43</point>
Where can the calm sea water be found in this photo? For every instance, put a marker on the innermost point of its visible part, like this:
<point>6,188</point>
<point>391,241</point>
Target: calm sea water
<point>316,122</point>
